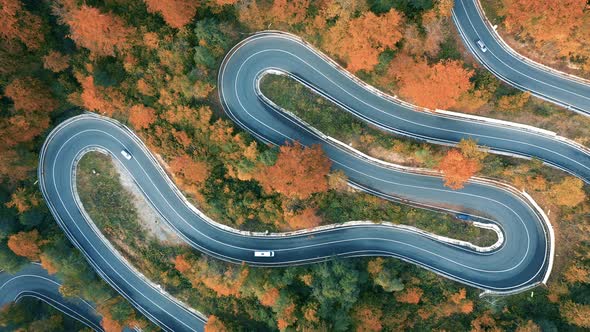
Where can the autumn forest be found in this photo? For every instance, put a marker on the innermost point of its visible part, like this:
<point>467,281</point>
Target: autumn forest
<point>153,65</point>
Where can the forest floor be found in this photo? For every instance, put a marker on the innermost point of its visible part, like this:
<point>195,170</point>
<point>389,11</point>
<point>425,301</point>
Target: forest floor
<point>149,219</point>
<point>94,166</point>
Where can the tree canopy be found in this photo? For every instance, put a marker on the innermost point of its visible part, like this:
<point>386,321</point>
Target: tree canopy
<point>298,172</point>
<point>176,13</point>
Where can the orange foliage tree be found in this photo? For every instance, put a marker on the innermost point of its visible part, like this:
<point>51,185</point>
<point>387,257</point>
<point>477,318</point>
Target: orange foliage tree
<point>222,278</point>
<point>568,192</point>
<point>575,313</point>
<point>543,20</point>
<point>436,86</point>
<point>214,324</point>
<point>145,88</point>
<point>101,33</point>
<point>270,297</point>
<point>457,169</point>
<point>457,303</point>
<point>224,2</point>
<point>48,264</point>
<point>557,29</point>
<point>360,41</point>
<point>310,312</point>
<point>435,35</point>
<point>176,13</point>
<point>12,164</point>
<point>471,150</point>
<point>22,125</point>
<point>22,200</point>
<point>513,103</point>
<point>110,310</point>
<point>485,322</point>
<point>181,137</point>
<point>290,12</point>
<point>18,23</point>
<point>279,12</point>
<point>444,7</point>
<point>151,40</point>
<point>337,180</point>
<point>108,323</point>
<point>368,318</point>
<point>21,128</point>
<point>298,172</point>
<point>529,326</point>
<point>286,317</point>
<point>26,244</point>
<point>106,101</point>
<point>465,306</point>
<point>56,61</point>
<point>182,264</point>
<point>141,116</point>
<point>307,218</point>
<point>189,170</point>
<point>576,274</point>
<point>410,295</point>
<point>375,266</point>
<point>29,94</point>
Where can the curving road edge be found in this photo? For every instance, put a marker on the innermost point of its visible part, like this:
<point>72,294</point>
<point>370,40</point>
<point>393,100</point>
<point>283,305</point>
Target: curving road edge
<point>33,281</point>
<point>153,298</point>
<point>566,90</point>
<point>275,52</point>
<point>472,24</point>
<point>523,260</point>
<point>148,298</point>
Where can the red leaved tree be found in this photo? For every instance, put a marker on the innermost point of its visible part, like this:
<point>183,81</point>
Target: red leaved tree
<point>436,86</point>
<point>457,169</point>
<point>22,200</point>
<point>101,33</point>
<point>48,264</point>
<point>176,13</point>
<point>576,274</point>
<point>190,170</point>
<point>214,325</point>
<point>56,61</point>
<point>26,244</point>
<point>569,192</point>
<point>141,116</point>
<point>360,40</point>
<point>368,318</point>
<point>106,101</point>
<point>108,323</point>
<point>30,94</point>
<point>544,20</point>
<point>18,23</point>
<point>576,313</point>
<point>410,295</point>
<point>307,218</point>
<point>269,297</point>
<point>298,172</point>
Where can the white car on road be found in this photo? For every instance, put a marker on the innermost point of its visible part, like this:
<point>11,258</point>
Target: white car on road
<point>481,45</point>
<point>264,254</point>
<point>126,154</point>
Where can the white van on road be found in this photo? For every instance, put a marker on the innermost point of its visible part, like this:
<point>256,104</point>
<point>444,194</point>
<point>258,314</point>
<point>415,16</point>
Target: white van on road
<point>126,154</point>
<point>481,45</point>
<point>264,254</point>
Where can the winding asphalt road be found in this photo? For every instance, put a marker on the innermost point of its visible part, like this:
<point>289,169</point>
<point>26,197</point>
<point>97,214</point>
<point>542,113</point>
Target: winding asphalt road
<point>33,281</point>
<point>515,69</point>
<point>522,261</point>
<point>272,52</point>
